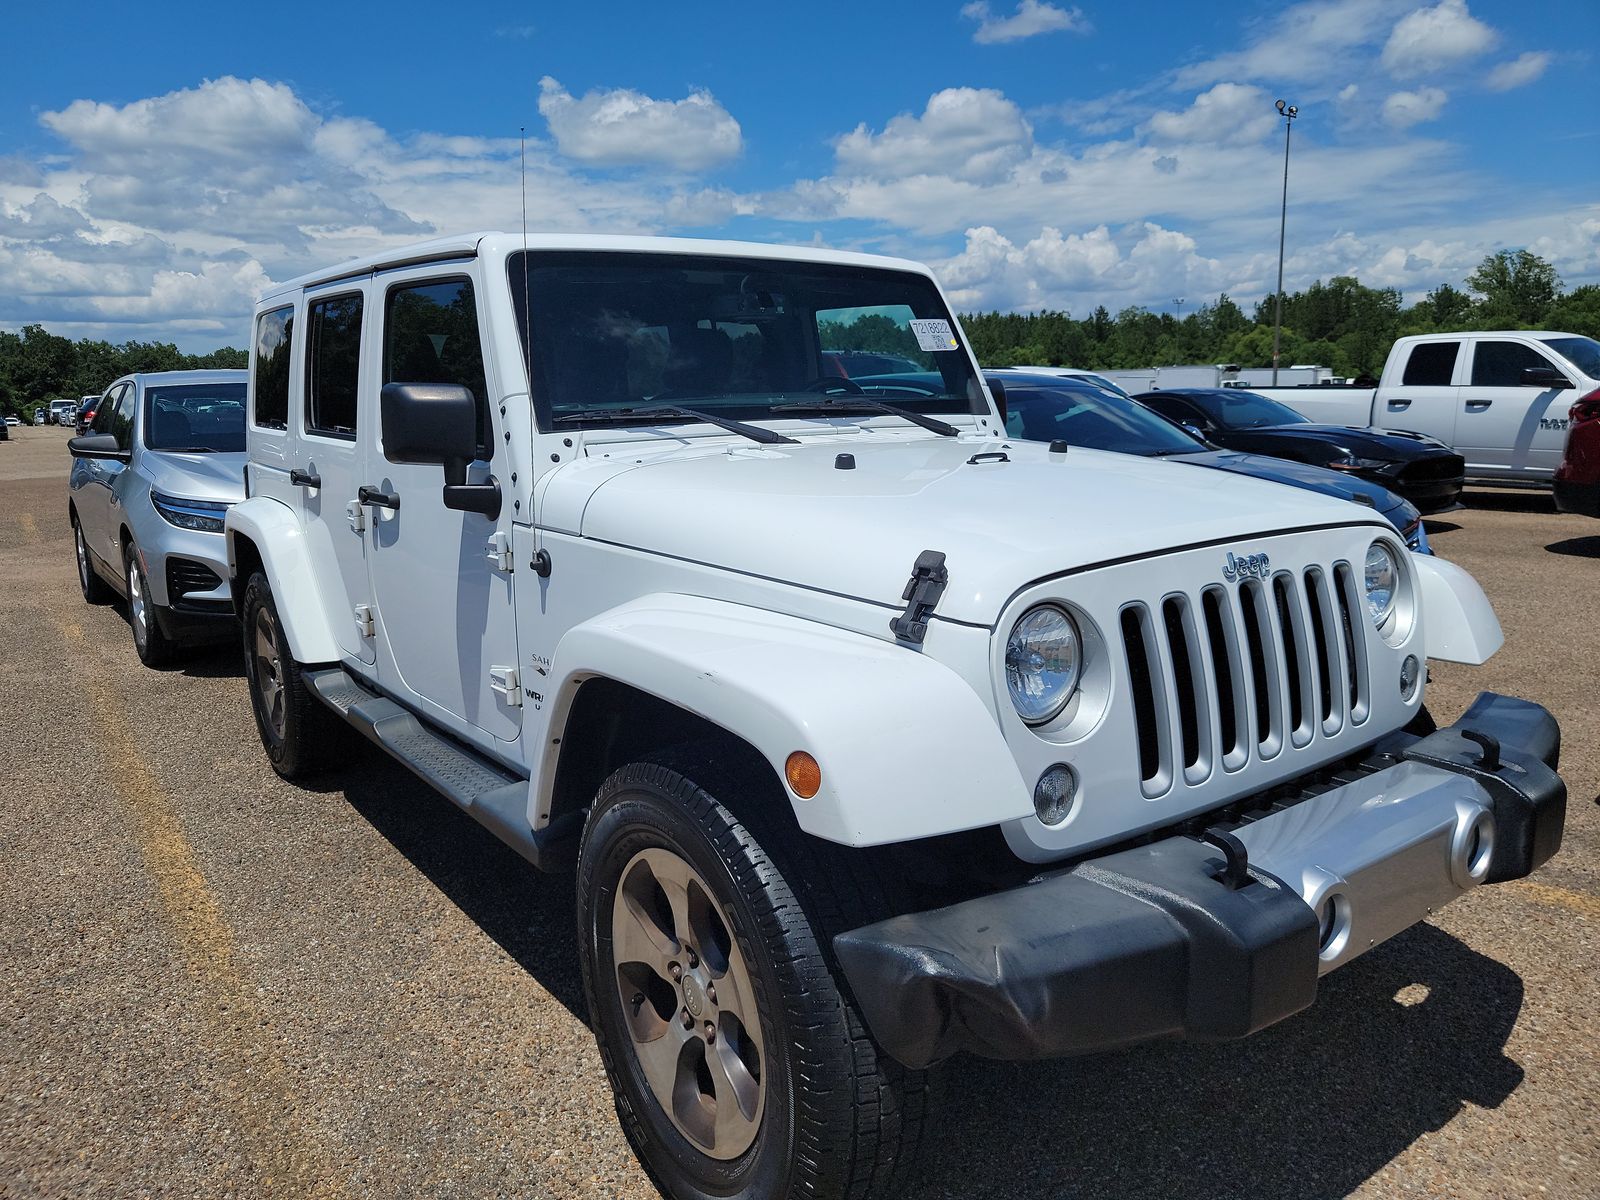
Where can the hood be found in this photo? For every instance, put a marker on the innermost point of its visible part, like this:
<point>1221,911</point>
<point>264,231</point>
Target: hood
<point>1363,443</point>
<point>1303,475</point>
<point>211,476</point>
<point>788,513</point>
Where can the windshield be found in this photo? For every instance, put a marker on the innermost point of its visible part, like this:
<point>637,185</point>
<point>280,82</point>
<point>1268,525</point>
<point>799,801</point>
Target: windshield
<point>1581,352</point>
<point>1092,418</point>
<point>195,417</point>
<point>1234,409</point>
<point>733,337</point>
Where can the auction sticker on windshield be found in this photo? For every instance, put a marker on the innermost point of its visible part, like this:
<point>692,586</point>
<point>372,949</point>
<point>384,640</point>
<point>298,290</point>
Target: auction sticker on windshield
<point>934,335</point>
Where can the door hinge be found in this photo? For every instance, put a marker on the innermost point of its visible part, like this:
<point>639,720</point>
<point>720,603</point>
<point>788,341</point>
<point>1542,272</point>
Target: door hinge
<point>499,554</point>
<point>922,592</point>
<point>356,515</point>
<point>364,622</point>
<point>504,683</point>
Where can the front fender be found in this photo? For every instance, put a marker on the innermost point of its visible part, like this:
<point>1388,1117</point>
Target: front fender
<point>907,748</point>
<point>1458,622</point>
<point>276,534</point>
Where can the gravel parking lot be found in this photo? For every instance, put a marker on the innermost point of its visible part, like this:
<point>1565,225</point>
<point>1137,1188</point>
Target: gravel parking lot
<point>214,983</point>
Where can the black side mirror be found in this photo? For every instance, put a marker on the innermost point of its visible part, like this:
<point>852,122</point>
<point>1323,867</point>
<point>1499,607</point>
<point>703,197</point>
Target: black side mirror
<point>998,391</point>
<point>438,423</point>
<point>98,445</point>
<point>1545,377</point>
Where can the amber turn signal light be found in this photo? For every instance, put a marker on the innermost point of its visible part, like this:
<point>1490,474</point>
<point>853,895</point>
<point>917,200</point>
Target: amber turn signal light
<point>805,777</point>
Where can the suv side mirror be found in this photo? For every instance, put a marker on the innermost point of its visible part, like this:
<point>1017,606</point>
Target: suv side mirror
<point>1547,377</point>
<point>438,423</point>
<point>98,445</point>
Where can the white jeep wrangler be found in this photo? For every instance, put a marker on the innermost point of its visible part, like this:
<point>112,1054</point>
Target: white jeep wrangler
<point>875,736</point>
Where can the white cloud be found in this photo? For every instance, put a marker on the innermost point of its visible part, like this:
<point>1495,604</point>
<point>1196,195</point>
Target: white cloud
<point>622,127</point>
<point>1032,18</point>
<point>1522,70</point>
<point>1229,112</point>
<point>1430,39</point>
<point>1405,109</point>
<point>965,133</point>
<point>1306,42</point>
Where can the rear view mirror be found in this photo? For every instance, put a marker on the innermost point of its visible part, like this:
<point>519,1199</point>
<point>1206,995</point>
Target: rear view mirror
<point>97,445</point>
<point>1545,377</point>
<point>438,423</point>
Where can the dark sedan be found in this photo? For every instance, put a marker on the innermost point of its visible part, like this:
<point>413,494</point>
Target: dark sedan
<point>1425,472</point>
<point>1049,408</point>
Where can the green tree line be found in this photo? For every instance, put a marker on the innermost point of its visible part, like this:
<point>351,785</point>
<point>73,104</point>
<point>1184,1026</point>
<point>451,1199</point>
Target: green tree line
<point>37,366</point>
<point>1339,324</point>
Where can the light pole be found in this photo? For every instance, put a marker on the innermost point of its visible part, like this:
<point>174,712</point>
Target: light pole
<point>1288,112</point>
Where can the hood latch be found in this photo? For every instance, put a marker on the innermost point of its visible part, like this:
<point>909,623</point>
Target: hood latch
<point>927,584</point>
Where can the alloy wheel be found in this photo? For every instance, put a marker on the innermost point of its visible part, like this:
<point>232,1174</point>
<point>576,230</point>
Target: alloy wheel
<point>268,671</point>
<point>138,602</point>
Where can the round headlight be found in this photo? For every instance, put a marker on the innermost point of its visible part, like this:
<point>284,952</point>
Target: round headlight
<point>1043,661</point>
<point>1383,581</point>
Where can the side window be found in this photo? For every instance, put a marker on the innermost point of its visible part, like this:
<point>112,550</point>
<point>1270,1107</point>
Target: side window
<point>122,416</point>
<point>430,335</point>
<point>1174,409</point>
<point>1500,364</point>
<point>1432,364</point>
<point>333,359</point>
<point>274,339</point>
<point>104,410</point>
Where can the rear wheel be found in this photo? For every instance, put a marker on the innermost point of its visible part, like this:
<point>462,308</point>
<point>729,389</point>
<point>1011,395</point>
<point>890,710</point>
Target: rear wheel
<point>95,590</point>
<point>299,733</point>
<point>740,1066</point>
<point>154,647</point>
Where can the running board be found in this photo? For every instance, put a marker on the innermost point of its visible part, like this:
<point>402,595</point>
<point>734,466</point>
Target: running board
<point>487,792</point>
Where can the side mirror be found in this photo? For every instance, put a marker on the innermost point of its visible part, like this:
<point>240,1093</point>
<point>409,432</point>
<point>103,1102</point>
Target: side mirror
<point>1194,429</point>
<point>438,423</point>
<point>1544,377</point>
<point>998,391</point>
<point>98,445</point>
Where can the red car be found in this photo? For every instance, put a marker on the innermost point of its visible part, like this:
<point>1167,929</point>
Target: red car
<point>1578,476</point>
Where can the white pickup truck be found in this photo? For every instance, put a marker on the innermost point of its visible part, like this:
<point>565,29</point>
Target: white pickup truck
<point>1499,398</point>
<point>874,735</point>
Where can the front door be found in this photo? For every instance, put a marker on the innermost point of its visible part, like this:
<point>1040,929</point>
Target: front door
<point>99,509</point>
<point>445,622</point>
<point>1424,400</point>
<point>340,368</point>
<point>1510,428</point>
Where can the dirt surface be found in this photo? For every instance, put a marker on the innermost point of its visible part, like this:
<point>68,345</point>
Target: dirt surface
<point>213,983</point>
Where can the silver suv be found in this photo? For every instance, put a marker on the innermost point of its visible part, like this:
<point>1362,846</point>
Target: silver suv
<point>152,480</point>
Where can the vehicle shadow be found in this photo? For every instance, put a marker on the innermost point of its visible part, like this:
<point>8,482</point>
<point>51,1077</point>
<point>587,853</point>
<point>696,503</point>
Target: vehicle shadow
<point>1578,547</point>
<point>530,915</point>
<point>1396,1044</point>
<point>1510,500</point>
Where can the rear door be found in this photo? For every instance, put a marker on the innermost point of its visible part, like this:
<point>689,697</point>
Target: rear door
<point>1508,428</point>
<point>1424,398</point>
<point>339,371</point>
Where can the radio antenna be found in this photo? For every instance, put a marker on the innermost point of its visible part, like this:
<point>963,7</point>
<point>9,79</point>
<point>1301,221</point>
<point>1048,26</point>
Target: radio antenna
<point>527,316</point>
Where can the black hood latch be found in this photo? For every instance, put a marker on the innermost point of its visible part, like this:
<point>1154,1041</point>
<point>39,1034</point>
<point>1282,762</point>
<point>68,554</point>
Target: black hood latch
<point>922,592</point>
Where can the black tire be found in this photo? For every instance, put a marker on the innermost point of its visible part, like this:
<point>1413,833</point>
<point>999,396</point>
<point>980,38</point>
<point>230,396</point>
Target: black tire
<point>95,590</point>
<point>300,734</point>
<point>838,1118</point>
<point>150,642</point>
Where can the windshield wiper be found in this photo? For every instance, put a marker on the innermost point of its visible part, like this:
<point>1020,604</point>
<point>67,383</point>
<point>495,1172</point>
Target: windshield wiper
<point>186,449</point>
<point>631,416</point>
<point>858,404</point>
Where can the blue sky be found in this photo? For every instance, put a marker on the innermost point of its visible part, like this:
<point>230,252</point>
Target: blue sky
<point>160,165</point>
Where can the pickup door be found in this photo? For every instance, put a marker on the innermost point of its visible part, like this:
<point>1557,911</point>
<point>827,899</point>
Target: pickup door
<point>1508,428</point>
<point>1424,399</point>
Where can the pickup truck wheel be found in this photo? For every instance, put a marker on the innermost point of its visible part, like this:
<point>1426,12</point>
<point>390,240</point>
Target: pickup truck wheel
<point>740,1066</point>
<point>154,647</point>
<point>299,733</point>
<point>95,590</point>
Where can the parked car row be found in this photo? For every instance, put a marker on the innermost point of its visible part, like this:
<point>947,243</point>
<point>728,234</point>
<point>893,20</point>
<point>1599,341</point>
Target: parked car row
<point>885,709</point>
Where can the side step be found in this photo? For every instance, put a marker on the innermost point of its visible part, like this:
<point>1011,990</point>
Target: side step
<point>491,795</point>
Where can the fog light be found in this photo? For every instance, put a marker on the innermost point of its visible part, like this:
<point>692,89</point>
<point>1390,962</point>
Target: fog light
<point>1055,794</point>
<point>1410,673</point>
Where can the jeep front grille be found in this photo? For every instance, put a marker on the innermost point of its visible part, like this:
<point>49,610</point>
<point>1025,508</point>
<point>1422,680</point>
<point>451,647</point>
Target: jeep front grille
<point>1244,673</point>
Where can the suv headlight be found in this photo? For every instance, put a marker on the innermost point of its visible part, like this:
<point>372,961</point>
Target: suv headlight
<point>1382,582</point>
<point>1044,661</point>
<point>204,516</point>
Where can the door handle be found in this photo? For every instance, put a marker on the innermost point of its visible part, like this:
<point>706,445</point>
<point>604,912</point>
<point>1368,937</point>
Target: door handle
<point>1478,405</point>
<point>377,497</point>
<point>1399,405</point>
<point>304,479</point>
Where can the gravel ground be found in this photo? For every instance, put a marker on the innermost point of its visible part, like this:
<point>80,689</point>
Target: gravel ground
<point>213,983</point>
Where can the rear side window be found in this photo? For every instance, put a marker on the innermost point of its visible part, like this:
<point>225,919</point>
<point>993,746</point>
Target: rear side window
<point>333,361</point>
<point>430,335</point>
<point>1500,364</point>
<point>1432,364</point>
<point>274,338</point>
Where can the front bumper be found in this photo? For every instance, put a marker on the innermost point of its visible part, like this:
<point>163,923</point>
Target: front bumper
<point>1164,941</point>
<point>1580,498</point>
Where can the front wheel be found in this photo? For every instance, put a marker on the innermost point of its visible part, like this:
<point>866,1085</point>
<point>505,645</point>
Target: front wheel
<point>740,1066</point>
<point>154,647</point>
<point>300,734</point>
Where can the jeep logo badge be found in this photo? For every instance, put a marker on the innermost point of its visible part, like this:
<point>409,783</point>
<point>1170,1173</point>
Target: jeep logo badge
<point>1246,566</point>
